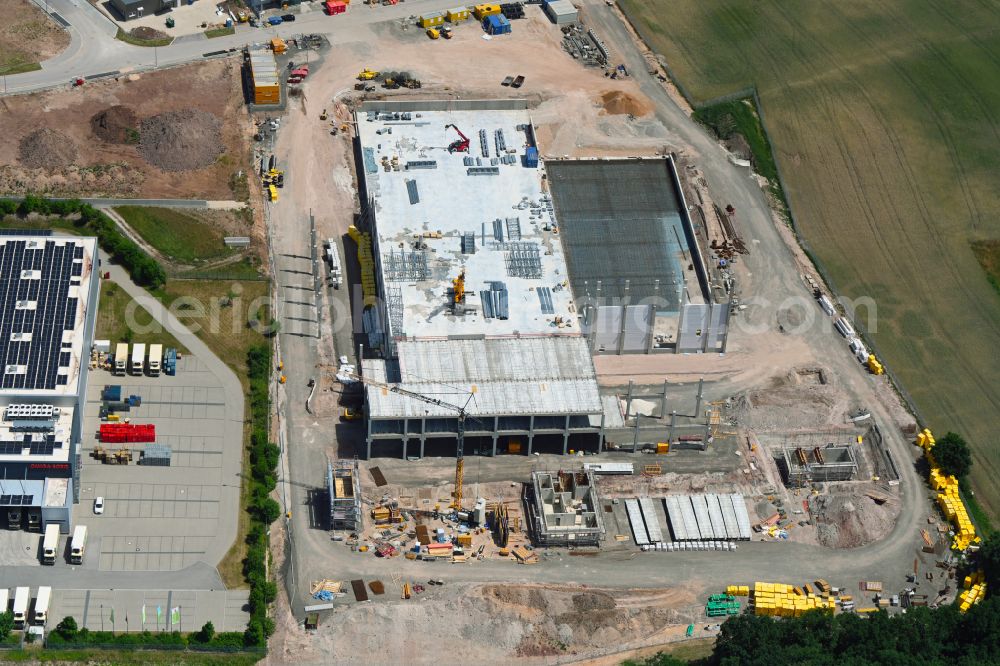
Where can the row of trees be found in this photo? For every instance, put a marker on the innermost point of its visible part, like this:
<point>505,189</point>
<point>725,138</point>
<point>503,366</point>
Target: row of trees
<point>68,635</point>
<point>262,508</point>
<point>144,270</point>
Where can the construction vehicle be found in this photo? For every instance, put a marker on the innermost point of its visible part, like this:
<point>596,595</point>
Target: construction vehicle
<point>459,145</point>
<point>78,545</point>
<point>41,614</point>
<point>462,412</point>
<point>458,288</point>
<point>433,33</point>
<point>390,84</point>
<point>50,543</point>
<point>121,358</point>
<point>242,16</point>
<point>351,414</point>
<point>323,116</point>
<point>412,83</point>
<point>517,82</point>
<point>367,75</point>
<point>446,32</point>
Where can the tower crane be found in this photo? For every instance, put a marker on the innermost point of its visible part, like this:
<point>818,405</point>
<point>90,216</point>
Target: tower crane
<point>462,412</point>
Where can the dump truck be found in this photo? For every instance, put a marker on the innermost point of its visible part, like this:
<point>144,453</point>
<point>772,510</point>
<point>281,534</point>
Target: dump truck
<point>155,359</point>
<point>433,33</point>
<point>41,613</point>
<point>138,359</point>
<point>121,358</point>
<point>78,546</point>
<point>50,543</point>
<point>22,597</point>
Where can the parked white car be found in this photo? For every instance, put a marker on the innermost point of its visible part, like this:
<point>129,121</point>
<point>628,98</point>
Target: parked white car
<point>99,505</point>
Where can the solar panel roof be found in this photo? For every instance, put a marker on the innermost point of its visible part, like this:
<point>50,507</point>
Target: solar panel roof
<point>36,309</point>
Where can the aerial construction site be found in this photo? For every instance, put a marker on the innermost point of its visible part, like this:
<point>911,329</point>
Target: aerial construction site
<point>553,379</point>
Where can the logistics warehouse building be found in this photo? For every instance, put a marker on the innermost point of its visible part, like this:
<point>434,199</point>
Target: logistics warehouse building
<point>48,305</point>
<point>469,302</point>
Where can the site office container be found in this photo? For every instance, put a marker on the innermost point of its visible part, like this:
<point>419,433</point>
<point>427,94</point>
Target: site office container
<point>457,15</point>
<point>22,597</point>
<point>121,358</point>
<point>50,543</point>
<point>431,20</point>
<point>78,546</point>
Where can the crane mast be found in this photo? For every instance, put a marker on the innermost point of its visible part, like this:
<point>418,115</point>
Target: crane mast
<point>462,413</point>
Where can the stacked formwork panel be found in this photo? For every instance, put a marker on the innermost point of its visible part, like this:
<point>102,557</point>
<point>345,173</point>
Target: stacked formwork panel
<point>650,518</point>
<point>701,514</point>
<point>715,516</point>
<point>676,517</point>
<point>742,517</point>
<point>729,516</point>
<point>344,487</point>
<point>635,519</point>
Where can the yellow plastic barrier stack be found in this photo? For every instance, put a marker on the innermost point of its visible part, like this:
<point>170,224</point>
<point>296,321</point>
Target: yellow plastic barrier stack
<point>738,590</point>
<point>875,366</point>
<point>948,498</point>
<point>780,600</point>
<point>367,261</point>
<point>975,590</point>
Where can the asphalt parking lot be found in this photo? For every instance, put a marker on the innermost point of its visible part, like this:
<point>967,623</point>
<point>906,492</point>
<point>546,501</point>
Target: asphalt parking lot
<point>160,518</point>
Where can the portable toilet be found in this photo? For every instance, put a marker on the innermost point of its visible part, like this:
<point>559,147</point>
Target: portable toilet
<point>457,15</point>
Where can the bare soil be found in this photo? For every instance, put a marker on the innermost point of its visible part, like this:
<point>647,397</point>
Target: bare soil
<point>617,102</point>
<point>105,167</point>
<point>27,35</point>
<point>114,124</point>
<point>181,140</point>
<point>47,149</point>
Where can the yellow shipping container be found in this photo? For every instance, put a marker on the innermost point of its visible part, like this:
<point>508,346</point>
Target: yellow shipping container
<point>482,11</point>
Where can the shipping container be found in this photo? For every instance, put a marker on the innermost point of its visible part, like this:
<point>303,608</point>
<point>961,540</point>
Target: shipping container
<point>138,359</point>
<point>121,358</point>
<point>826,304</point>
<point>531,157</point>
<point>78,546</point>
<point>482,11</point>
<point>155,359</point>
<point>50,543</point>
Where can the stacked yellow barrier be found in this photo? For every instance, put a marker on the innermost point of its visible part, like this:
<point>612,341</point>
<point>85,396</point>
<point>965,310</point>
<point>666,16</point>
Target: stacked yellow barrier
<point>367,261</point>
<point>875,366</point>
<point>975,590</point>
<point>948,498</point>
<point>738,590</point>
<point>780,600</point>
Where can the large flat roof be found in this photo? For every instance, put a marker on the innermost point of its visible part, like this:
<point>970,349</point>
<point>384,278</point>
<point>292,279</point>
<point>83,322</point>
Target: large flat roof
<point>424,213</point>
<point>504,377</point>
<point>35,433</point>
<point>44,294</point>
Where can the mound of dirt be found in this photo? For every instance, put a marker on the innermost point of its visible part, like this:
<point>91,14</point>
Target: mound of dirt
<point>618,103</point>
<point>47,149</point>
<point>850,521</point>
<point>113,124</point>
<point>181,140</point>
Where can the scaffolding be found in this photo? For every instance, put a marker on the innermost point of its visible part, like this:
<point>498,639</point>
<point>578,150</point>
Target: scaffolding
<point>394,303</point>
<point>344,486</point>
<point>523,260</point>
<point>403,266</point>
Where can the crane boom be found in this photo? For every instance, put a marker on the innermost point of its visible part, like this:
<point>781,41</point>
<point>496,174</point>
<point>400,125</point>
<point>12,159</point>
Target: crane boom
<point>462,413</point>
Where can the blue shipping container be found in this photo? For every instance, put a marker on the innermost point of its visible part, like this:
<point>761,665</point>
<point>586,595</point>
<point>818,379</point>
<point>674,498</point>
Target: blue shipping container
<point>497,24</point>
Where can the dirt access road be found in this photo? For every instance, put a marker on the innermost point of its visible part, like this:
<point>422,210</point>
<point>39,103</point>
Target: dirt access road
<point>320,179</point>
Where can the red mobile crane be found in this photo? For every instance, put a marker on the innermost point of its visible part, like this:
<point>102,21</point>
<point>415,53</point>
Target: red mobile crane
<point>459,145</point>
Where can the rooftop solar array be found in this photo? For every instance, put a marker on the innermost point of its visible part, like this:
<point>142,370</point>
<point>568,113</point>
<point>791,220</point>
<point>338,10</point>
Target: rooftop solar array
<point>36,309</point>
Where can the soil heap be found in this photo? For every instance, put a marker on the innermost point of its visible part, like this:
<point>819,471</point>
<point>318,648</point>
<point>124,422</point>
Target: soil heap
<point>618,103</point>
<point>113,124</point>
<point>181,140</point>
<point>47,149</point>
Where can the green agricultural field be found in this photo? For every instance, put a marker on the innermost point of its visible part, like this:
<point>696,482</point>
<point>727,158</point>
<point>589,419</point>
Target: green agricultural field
<point>885,122</point>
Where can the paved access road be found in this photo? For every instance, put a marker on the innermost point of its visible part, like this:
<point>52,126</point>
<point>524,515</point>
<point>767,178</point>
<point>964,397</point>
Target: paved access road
<point>94,51</point>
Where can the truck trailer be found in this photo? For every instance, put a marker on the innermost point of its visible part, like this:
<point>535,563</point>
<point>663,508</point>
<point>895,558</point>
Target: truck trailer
<point>121,358</point>
<point>78,545</point>
<point>22,597</point>
<point>41,613</point>
<point>50,543</point>
<point>138,358</point>
<point>155,359</point>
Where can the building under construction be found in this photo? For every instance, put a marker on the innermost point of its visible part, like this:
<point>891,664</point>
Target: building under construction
<point>563,509</point>
<point>833,462</point>
<point>344,487</point>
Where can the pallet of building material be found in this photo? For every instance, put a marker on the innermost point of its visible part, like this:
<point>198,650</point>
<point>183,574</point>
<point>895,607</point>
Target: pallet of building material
<point>325,585</point>
<point>378,477</point>
<point>377,587</point>
<point>524,556</point>
<point>360,593</point>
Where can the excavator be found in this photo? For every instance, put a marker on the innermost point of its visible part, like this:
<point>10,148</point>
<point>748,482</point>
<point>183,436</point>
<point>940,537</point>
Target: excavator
<point>458,145</point>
